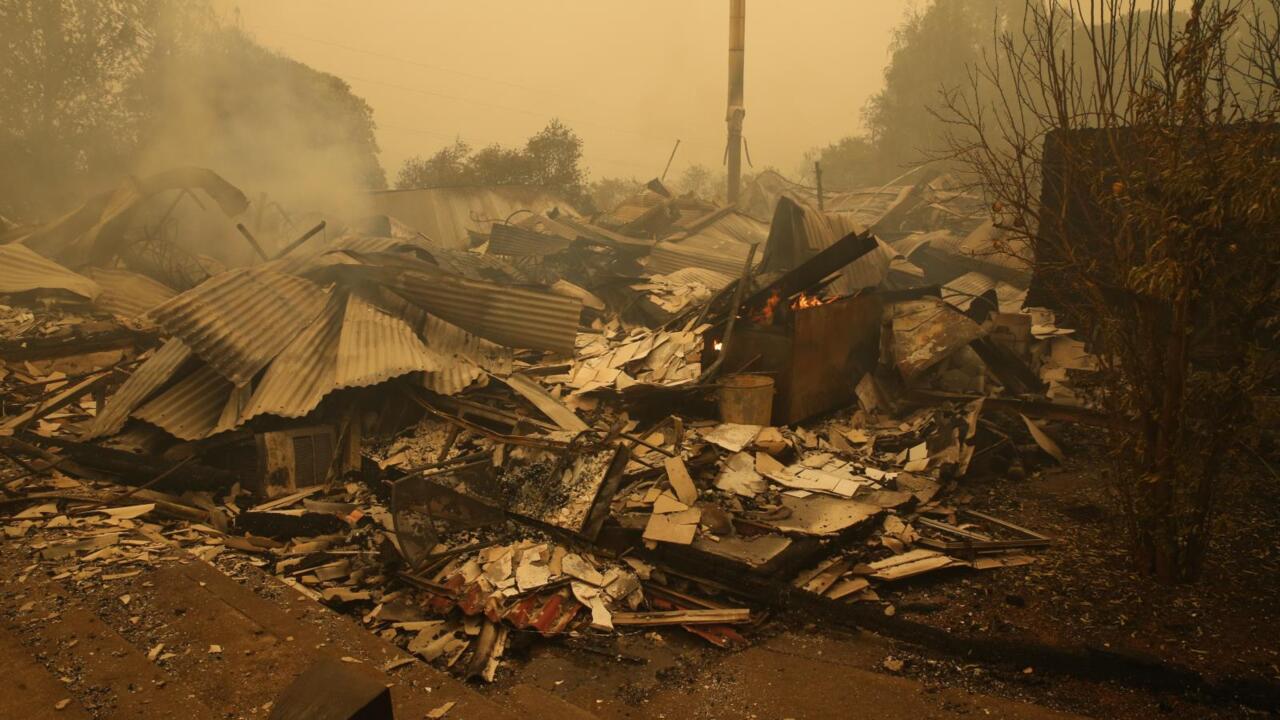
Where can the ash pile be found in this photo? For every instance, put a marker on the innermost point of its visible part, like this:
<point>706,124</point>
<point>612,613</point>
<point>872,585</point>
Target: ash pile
<point>542,427</point>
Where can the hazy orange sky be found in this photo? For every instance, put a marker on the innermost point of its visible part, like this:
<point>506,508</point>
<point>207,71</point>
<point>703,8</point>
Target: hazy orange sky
<point>629,77</point>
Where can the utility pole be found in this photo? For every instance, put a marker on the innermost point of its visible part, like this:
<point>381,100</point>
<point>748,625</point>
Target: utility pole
<point>817,173</point>
<point>736,111</point>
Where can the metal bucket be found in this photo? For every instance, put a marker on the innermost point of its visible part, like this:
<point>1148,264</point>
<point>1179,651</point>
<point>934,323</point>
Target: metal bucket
<point>746,399</point>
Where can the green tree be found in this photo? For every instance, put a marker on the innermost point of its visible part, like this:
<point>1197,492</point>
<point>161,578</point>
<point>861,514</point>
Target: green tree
<point>550,159</point>
<point>555,160</point>
<point>850,163</point>
<point>702,182</point>
<point>63,121</point>
<point>447,167</point>
<point>607,193</point>
<point>930,55</point>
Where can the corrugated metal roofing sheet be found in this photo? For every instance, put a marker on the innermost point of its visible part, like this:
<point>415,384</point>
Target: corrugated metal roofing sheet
<point>867,271</point>
<point>517,317</point>
<point>315,254</point>
<point>150,376</point>
<point>303,372</point>
<point>729,224</point>
<point>962,291</point>
<point>194,407</point>
<point>128,293</point>
<point>668,257</point>
<point>798,232</point>
<point>350,344</point>
<point>23,269</point>
<point>446,214</point>
<point>465,357</point>
<point>707,278</point>
<point>515,241</point>
<point>376,346</point>
<point>241,319</point>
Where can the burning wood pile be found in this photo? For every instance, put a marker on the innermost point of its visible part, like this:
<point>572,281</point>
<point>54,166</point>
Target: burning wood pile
<point>574,428</point>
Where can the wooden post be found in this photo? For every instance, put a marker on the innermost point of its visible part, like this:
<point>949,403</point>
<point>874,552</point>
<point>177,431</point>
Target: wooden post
<point>673,157</point>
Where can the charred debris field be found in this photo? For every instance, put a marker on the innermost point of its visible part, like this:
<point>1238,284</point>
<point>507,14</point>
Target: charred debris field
<point>985,432</point>
<point>582,469</point>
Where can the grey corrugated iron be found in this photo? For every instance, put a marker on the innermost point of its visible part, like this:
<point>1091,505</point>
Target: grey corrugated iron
<point>300,376</point>
<point>194,407</point>
<point>128,293</point>
<point>241,319</point>
<point>23,269</point>
<point>517,317</point>
<point>375,346</point>
<point>729,224</point>
<point>799,232</point>
<point>515,241</point>
<point>668,257</point>
<point>350,344</point>
<point>472,357</point>
<point>962,291</point>
<point>150,376</point>
<point>707,278</point>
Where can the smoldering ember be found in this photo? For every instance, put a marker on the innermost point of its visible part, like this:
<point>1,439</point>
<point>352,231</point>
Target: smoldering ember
<point>968,410</point>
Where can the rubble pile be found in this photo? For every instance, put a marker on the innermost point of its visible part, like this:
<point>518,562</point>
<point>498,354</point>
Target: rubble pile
<point>551,427</point>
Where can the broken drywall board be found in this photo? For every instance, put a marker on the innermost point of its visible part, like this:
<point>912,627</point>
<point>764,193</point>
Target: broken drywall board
<point>732,436</point>
<point>992,562</point>
<point>754,551</point>
<point>798,477</point>
<point>846,587</point>
<point>767,465</point>
<point>770,440</point>
<point>681,482</point>
<point>677,528</point>
<point>821,515</point>
<point>740,477</point>
<point>668,503</point>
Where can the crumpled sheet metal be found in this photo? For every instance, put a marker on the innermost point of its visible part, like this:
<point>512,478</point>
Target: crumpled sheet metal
<point>513,316</point>
<point>198,405</point>
<point>300,376</point>
<point>471,357</point>
<point>350,344</point>
<point>240,320</point>
<point>22,270</point>
<point>725,257</point>
<point>128,294</point>
<point>150,376</point>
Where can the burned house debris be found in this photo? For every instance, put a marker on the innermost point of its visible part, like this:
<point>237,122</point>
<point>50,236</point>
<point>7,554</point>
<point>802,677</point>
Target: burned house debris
<point>545,424</point>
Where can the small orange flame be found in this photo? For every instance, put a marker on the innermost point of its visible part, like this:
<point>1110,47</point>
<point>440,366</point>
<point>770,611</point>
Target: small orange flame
<point>804,301</point>
<point>764,316</point>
